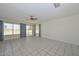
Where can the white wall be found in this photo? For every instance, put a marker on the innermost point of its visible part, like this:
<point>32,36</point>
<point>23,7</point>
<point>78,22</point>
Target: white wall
<point>65,29</point>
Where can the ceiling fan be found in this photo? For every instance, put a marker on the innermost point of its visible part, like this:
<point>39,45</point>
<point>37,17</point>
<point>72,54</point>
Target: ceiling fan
<point>33,18</point>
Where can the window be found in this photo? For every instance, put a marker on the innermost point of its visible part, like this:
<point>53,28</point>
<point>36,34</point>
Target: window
<point>7,29</point>
<point>29,30</point>
<point>37,29</point>
<point>10,29</point>
<point>16,29</point>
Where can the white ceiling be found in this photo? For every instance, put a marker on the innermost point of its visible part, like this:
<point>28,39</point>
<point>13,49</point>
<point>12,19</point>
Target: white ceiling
<point>20,12</point>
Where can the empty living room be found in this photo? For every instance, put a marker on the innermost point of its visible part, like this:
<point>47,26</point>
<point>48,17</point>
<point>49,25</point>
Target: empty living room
<point>39,29</point>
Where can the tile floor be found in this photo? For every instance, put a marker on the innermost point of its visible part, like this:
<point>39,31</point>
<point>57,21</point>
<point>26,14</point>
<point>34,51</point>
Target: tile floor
<point>34,46</point>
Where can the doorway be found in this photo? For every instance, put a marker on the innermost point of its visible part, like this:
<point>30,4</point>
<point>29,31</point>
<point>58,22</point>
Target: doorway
<point>33,30</point>
<point>28,30</point>
<point>38,30</point>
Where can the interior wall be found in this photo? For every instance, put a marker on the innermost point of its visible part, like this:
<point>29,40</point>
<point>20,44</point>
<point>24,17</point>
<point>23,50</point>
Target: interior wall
<point>65,29</point>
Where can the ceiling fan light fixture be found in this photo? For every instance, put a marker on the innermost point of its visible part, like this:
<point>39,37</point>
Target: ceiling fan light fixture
<point>33,18</point>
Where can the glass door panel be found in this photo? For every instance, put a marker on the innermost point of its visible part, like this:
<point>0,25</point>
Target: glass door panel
<point>28,30</point>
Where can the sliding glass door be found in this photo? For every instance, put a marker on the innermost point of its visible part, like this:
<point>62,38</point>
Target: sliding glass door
<point>37,30</point>
<point>16,29</point>
<point>33,30</point>
<point>7,29</point>
<point>11,31</point>
<point>28,30</point>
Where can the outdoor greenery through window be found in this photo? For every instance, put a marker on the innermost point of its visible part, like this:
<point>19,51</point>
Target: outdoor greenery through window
<point>16,29</point>
<point>29,30</point>
<point>10,29</point>
<point>7,29</point>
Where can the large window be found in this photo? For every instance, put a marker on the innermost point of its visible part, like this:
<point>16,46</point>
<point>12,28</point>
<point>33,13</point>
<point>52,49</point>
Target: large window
<point>16,29</point>
<point>7,29</point>
<point>29,30</point>
<point>37,29</point>
<point>10,29</point>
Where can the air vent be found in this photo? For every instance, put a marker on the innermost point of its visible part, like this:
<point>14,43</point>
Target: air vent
<point>56,5</point>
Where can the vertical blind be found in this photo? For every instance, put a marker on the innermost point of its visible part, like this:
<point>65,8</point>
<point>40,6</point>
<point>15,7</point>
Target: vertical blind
<point>22,30</point>
<point>1,30</point>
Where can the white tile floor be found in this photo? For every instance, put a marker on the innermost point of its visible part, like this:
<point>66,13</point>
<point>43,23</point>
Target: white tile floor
<point>34,46</point>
